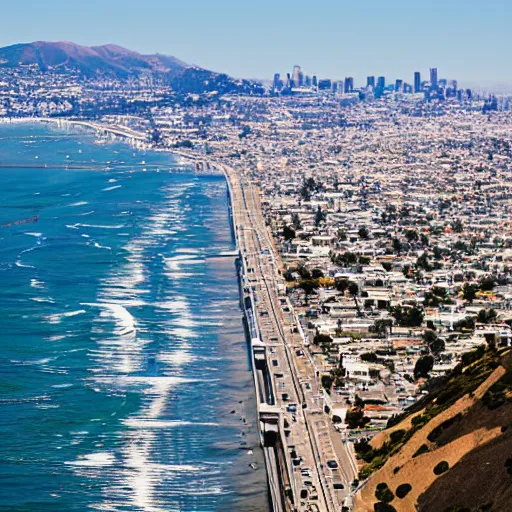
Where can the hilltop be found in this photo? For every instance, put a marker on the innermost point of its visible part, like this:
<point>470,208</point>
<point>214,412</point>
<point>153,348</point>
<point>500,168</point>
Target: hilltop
<point>452,451</point>
<point>112,61</point>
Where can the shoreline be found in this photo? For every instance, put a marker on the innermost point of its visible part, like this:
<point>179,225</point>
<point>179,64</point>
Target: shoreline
<point>275,489</point>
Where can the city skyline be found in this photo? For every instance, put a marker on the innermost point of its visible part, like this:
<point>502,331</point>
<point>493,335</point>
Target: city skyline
<point>255,41</point>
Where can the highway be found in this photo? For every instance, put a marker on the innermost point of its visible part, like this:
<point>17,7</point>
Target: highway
<point>305,431</point>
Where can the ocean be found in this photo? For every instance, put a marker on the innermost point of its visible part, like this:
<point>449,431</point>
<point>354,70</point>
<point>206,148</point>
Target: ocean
<point>125,381</point>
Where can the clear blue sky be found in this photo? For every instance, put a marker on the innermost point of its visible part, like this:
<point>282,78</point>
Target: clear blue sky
<point>465,39</point>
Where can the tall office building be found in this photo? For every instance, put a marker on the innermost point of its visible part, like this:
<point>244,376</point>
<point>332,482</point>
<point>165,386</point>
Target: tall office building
<point>417,81</point>
<point>433,77</point>
<point>398,85</point>
<point>349,84</point>
<point>296,74</point>
<point>381,82</point>
<point>314,81</point>
<point>277,79</point>
<point>370,81</point>
<point>300,81</point>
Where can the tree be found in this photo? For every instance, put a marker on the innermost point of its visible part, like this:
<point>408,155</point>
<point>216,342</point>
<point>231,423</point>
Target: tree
<point>341,285</point>
<point>411,235</point>
<point>457,226</point>
<point>320,216</point>
<point>309,285</point>
<point>317,273</point>
<point>355,418</point>
<point>408,317</point>
<point>422,262</point>
<point>486,316</point>
<point>433,342</point>
<point>384,493</point>
<point>363,233</point>
<point>487,283</point>
<point>469,292</point>
<point>296,221</point>
<point>353,289</point>
<point>381,326</point>
<point>397,245</point>
<point>288,233</point>
<point>423,367</point>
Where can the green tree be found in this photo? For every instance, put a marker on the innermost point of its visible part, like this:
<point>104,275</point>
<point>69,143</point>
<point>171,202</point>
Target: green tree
<point>469,292</point>
<point>288,233</point>
<point>363,233</point>
<point>423,367</point>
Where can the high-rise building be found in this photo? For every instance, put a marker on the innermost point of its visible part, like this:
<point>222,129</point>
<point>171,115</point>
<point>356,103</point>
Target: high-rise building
<point>296,74</point>
<point>300,80</point>
<point>417,81</point>
<point>370,81</point>
<point>277,79</point>
<point>349,84</point>
<point>381,82</point>
<point>398,85</point>
<point>314,81</point>
<point>307,81</point>
<point>433,77</point>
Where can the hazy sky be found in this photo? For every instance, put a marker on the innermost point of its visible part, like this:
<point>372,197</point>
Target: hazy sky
<point>465,39</point>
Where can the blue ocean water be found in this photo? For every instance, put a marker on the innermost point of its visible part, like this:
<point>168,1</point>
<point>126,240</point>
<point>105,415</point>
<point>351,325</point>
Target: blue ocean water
<point>124,378</point>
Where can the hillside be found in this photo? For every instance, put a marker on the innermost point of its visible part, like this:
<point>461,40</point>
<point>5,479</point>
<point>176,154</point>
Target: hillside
<point>453,451</point>
<point>116,62</point>
<point>107,59</point>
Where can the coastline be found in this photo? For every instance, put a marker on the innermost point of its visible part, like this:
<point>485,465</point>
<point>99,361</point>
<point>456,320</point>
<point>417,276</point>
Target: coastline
<point>248,410</point>
<point>276,496</point>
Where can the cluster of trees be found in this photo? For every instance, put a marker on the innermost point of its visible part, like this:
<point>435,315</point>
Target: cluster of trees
<point>309,187</point>
<point>408,316</point>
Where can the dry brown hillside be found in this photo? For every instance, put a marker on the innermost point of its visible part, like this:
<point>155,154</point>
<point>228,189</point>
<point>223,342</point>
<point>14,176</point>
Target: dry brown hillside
<point>452,453</point>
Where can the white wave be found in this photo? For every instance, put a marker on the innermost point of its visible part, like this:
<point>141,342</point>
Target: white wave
<point>80,203</point>
<point>97,245</point>
<point>149,423</point>
<point>37,235</point>
<point>43,300</point>
<point>111,188</point>
<point>57,317</point>
<point>35,283</point>
<point>99,226</point>
<point>99,459</point>
<point>122,317</point>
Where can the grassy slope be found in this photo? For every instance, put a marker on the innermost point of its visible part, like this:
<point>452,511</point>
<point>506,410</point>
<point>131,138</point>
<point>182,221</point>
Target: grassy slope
<point>475,429</point>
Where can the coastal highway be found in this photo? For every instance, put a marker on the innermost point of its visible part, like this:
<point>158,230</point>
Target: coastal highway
<point>306,436</point>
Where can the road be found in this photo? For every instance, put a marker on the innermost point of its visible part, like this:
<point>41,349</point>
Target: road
<point>308,433</point>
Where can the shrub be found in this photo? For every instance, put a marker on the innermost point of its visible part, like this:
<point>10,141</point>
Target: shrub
<point>396,436</point>
<point>421,450</point>
<point>441,468</point>
<point>384,493</point>
<point>383,507</point>
<point>434,435</point>
<point>403,490</point>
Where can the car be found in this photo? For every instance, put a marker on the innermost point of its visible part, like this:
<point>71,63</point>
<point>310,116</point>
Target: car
<point>332,464</point>
<point>338,486</point>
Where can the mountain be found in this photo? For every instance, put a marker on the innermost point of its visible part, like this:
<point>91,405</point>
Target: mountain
<point>106,59</point>
<point>450,452</point>
<point>114,61</point>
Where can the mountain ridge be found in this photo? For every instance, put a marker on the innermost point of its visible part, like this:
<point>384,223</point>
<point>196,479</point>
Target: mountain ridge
<point>89,60</point>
